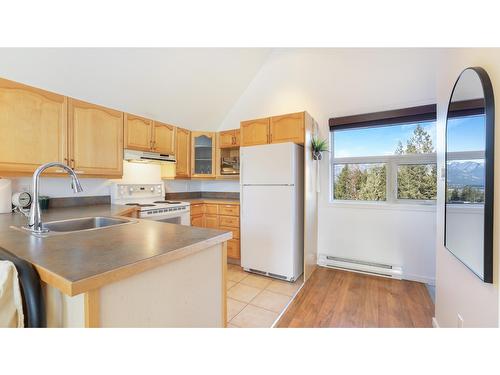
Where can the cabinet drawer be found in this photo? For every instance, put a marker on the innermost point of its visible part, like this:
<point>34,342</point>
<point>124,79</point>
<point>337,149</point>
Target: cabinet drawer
<point>229,209</point>
<point>197,209</point>
<point>233,249</point>
<point>236,231</point>
<point>211,221</point>
<point>211,209</point>
<point>229,221</point>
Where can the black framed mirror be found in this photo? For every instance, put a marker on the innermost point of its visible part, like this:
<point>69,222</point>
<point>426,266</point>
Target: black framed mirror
<point>469,158</point>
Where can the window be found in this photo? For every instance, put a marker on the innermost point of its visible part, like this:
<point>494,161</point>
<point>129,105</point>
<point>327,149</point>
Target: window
<point>386,159</point>
<point>465,164</point>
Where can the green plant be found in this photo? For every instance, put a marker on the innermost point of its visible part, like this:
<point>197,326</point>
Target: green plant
<point>319,145</point>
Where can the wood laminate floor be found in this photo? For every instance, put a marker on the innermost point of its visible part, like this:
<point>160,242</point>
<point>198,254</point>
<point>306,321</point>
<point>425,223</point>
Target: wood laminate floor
<point>335,298</point>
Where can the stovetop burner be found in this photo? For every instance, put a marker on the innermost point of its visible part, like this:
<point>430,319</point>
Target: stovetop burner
<point>140,205</point>
<point>168,202</point>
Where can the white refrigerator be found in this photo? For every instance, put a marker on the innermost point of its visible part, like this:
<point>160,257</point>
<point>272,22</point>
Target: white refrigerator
<point>272,210</point>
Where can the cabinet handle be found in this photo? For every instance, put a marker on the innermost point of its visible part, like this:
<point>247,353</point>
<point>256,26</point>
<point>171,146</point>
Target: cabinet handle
<point>72,164</point>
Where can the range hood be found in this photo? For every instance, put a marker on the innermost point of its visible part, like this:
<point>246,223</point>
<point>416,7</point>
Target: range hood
<point>147,157</point>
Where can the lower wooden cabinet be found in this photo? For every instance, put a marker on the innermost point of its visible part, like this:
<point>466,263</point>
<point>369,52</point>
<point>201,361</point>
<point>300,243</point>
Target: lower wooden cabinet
<point>211,221</point>
<point>233,249</point>
<point>197,221</point>
<point>219,216</point>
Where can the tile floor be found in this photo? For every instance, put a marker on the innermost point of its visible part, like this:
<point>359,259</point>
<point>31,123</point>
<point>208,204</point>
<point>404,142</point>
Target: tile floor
<point>255,301</point>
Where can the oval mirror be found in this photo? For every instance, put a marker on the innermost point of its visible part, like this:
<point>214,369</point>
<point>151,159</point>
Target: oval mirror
<point>469,172</point>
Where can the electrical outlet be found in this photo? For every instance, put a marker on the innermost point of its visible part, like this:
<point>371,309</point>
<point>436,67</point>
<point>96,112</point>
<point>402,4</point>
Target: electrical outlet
<point>460,321</point>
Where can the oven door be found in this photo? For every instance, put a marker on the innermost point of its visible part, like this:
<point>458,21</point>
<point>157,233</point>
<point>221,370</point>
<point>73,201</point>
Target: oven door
<point>182,218</point>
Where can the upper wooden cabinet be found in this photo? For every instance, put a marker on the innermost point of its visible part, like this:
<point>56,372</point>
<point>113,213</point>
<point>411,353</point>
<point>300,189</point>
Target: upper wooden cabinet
<point>138,133</point>
<point>143,134</point>
<point>95,139</point>
<point>254,132</point>
<point>183,153</point>
<point>164,138</point>
<point>229,138</point>
<point>203,154</point>
<point>287,128</point>
<point>276,129</point>
<point>33,128</point>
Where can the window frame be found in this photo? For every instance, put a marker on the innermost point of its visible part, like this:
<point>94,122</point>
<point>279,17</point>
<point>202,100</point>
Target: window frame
<point>412,115</point>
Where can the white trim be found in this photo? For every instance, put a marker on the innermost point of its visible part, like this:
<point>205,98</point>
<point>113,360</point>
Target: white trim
<point>435,323</point>
<point>396,206</point>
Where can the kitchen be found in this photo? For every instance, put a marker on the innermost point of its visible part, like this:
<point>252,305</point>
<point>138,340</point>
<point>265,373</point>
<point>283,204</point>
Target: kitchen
<point>141,162</point>
<point>270,210</point>
<point>173,167</point>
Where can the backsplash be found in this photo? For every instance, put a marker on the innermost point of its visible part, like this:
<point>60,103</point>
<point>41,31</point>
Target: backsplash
<point>61,186</point>
<point>56,187</point>
<point>179,186</point>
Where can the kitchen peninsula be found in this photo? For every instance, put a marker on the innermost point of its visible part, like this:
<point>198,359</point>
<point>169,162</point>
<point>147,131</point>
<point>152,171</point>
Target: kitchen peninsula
<point>141,274</point>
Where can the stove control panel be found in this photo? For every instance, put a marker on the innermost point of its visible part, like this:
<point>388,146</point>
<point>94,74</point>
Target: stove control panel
<point>126,191</point>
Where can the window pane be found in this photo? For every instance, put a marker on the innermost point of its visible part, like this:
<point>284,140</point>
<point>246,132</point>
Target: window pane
<point>414,138</point>
<point>417,181</point>
<point>366,182</point>
<point>465,181</point>
<point>466,133</point>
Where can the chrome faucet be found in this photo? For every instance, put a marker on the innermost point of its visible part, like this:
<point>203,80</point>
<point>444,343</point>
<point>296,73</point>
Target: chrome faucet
<point>35,217</point>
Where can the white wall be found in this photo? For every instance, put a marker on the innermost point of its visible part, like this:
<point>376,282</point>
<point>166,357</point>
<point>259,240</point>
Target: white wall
<point>61,186</point>
<point>189,87</point>
<point>458,290</point>
<point>337,82</point>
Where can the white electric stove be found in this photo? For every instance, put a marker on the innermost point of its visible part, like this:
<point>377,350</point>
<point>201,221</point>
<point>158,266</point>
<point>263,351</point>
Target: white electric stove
<point>150,198</point>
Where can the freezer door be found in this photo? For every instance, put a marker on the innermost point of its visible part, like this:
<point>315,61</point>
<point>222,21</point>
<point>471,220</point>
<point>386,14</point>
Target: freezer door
<point>273,164</point>
<point>267,229</point>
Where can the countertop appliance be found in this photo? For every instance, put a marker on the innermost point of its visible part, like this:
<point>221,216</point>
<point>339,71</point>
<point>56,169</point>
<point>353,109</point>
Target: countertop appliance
<point>272,210</point>
<point>150,198</point>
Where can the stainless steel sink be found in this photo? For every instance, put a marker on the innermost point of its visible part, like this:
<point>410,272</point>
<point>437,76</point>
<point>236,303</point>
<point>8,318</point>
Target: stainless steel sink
<point>81,224</point>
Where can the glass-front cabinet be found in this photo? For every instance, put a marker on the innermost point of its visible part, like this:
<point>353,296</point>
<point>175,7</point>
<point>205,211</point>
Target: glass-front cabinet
<point>203,154</point>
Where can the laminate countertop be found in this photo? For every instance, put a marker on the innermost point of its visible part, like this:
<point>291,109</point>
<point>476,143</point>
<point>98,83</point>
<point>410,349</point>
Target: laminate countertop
<point>81,261</point>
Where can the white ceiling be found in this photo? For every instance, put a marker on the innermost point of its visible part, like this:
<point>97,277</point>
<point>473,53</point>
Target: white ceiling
<point>192,88</point>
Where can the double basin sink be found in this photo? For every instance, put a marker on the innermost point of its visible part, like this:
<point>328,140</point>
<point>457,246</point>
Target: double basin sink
<point>80,224</point>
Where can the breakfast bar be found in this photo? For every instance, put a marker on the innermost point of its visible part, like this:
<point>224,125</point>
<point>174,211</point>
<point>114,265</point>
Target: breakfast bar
<point>140,274</point>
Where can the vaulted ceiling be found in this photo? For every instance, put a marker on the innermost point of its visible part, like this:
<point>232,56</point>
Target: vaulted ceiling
<point>192,88</point>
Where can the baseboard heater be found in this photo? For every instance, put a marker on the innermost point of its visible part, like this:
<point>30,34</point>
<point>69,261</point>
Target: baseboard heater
<point>372,268</point>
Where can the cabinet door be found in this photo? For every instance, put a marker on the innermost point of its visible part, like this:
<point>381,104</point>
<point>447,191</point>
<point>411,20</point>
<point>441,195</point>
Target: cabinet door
<point>183,152</point>
<point>287,128</point>
<point>236,138</point>
<point>254,132</point>
<point>33,128</point>
<point>233,249</point>
<point>164,138</point>
<point>211,221</point>
<point>138,133</point>
<point>202,154</point>
<point>226,139</point>
<point>197,221</point>
<point>95,139</point>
